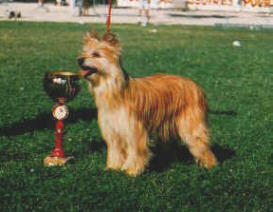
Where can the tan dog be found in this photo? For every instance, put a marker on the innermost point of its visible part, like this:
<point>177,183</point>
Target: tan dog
<point>131,109</point>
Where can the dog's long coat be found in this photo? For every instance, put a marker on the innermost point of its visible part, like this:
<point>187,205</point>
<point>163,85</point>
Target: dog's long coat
<point>131,109</point>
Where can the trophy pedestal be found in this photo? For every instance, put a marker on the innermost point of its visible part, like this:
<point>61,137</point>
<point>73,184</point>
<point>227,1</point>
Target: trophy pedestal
<point>56,161</point>
<point>57,156</point>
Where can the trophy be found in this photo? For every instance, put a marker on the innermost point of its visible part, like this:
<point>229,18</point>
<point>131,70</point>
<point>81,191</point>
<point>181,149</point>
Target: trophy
<point>62,87</point>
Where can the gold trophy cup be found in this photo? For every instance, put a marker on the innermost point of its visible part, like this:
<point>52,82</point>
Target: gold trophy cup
<point>62,87</point>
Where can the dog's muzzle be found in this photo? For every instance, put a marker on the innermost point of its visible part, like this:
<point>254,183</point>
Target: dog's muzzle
<point>86,70</point>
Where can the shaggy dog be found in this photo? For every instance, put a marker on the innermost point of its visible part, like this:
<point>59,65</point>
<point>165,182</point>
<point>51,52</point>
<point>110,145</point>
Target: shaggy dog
<point>132,109</point>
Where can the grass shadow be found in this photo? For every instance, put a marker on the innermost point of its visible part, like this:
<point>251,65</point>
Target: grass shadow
<point>46,121</point>
<point>97,146</point>
<point>14,156</point>
<point>222,154</point>
<point>86,148</point>
<point>200,16</point>
<point>165,154</point>
<point>223,112</point>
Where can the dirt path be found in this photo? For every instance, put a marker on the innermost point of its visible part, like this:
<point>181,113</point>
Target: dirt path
<point>52,13</point>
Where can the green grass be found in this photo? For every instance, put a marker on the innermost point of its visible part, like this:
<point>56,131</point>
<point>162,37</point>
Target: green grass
<point>238,83</point>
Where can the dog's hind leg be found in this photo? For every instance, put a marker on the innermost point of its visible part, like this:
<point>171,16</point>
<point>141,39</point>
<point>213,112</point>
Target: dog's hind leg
<point>193,131</point>
<point>137,149</point>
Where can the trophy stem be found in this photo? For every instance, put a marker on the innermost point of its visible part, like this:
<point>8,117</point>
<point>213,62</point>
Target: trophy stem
<point>57,156</point>
<point>58,151</point>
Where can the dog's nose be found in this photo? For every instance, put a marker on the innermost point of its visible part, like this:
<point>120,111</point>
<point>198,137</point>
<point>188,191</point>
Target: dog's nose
<point>80,61</point>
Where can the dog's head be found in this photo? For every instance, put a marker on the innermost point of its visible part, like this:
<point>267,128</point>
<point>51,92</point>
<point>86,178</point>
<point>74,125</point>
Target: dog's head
<point>100,57</point>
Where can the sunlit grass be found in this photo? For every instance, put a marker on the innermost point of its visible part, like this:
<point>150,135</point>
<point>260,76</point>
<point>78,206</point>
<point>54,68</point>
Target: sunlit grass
<point>238,83</point>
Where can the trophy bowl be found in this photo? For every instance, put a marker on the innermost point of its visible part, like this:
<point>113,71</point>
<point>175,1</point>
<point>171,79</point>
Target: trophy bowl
<point>62,84</point>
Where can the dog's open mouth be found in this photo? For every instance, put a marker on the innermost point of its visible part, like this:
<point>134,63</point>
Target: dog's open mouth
<point>87,71</point>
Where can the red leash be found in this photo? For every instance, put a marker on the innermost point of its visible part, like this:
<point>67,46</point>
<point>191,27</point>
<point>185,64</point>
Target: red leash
<point>108,23</point>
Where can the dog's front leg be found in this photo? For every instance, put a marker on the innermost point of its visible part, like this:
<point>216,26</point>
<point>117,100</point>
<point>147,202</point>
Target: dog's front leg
<point>116,153</point>
<point>137,150</point>
<point>116,150</point>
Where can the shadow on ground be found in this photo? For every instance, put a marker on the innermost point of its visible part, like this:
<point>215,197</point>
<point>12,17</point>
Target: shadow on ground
<point>165,154</point>
<point>223,112</point>
<point>200,16</point>
<point>46,121</point>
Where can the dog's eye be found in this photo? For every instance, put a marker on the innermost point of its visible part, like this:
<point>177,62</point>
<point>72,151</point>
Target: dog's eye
<point>96,54</point>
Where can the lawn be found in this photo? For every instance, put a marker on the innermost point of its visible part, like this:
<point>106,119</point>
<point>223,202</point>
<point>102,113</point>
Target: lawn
<point>238,82</point>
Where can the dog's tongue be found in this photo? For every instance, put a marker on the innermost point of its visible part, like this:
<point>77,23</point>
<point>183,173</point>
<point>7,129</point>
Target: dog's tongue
<point>83,73</point>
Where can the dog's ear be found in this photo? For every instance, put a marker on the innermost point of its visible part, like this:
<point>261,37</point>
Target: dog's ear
<point>91,36</point>
<point>111,39</point>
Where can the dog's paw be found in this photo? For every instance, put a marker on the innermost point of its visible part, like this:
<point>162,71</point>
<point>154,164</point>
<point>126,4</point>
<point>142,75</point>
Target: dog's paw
<point>109,168</point>
<point>207,164</point>
<point>132,173</point>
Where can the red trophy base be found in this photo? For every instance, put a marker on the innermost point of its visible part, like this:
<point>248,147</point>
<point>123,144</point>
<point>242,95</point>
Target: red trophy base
<point>57,156</point>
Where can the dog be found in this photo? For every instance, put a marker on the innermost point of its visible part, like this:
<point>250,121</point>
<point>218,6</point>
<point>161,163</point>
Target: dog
<point>130,110</point>
<point>14,14</point>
